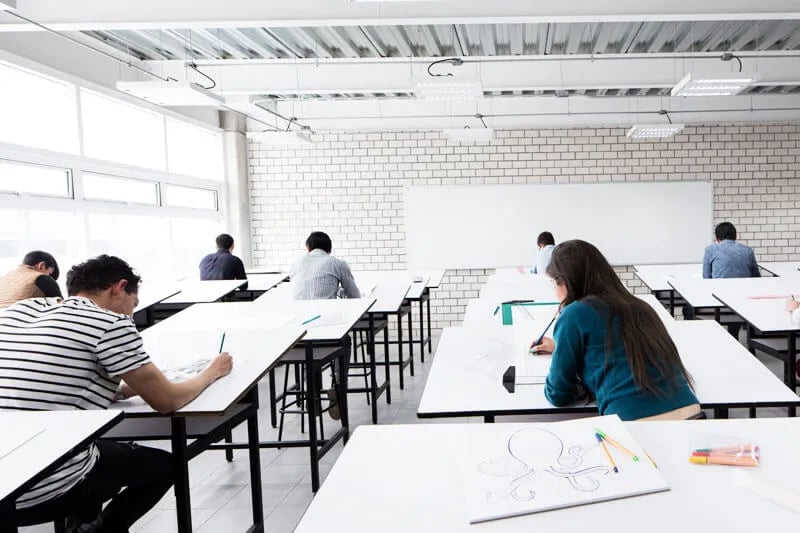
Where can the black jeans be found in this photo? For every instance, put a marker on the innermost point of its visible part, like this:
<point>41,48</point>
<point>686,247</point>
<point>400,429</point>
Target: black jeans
<point>133,477</point>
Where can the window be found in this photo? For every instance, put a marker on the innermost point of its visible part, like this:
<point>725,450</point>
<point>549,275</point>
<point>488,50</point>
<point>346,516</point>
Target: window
<point>37,110</point>
<point>141,240</point>
<point>194,151</point>
<point>116,131</point>
<point>179,196</point>
<point>34,179</point>
<point>101,187</point>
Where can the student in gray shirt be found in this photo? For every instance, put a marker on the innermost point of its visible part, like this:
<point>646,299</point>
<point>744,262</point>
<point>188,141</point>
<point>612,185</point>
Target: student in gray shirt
<point>318,275</point>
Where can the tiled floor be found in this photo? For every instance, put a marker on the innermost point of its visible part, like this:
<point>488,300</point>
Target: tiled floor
<point>220,490</point>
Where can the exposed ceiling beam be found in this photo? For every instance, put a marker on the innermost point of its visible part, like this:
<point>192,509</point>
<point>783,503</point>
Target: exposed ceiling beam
<point>391,75</point>
<point>78,15</point>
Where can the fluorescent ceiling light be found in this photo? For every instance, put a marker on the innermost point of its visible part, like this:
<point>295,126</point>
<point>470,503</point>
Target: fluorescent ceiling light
<point>448,90</point>
<point>470,135</point>
<point>280,138</point>
<point>716,85</point>
<point>171,93</point>
<point>654,131</point>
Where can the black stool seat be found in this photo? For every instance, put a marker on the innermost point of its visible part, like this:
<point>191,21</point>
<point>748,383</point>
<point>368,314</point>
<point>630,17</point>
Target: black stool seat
<point>322,355</point>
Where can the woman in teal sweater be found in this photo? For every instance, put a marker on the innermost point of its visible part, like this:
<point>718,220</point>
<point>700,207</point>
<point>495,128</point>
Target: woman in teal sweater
<point>611,343</point>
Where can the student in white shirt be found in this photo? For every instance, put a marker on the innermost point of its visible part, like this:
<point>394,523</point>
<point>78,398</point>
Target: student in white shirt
<point>546,243</point>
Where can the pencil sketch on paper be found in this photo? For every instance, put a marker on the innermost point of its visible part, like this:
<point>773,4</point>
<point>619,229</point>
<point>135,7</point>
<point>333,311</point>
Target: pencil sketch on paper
<point>180,373</point>
<point>534,453</point>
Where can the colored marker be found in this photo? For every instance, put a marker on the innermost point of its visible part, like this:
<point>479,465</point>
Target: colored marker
<point>605,449</point>
<point>651,460</point>
<point>313,318</point>
<point>496,309</point>
<point>718,460</point>
<point>739,448</point>
<point>616,444</point>
<point>222,342</point>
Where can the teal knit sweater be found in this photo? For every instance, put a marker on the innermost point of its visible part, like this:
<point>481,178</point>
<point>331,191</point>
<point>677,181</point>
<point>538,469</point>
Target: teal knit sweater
<point>580,356</point>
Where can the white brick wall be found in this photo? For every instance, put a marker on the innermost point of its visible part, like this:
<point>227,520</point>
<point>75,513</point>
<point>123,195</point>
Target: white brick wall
<point>350,185</point>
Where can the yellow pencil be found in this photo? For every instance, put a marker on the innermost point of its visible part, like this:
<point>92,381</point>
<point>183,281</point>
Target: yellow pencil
<point>616,444</point>
<point>605,449</point>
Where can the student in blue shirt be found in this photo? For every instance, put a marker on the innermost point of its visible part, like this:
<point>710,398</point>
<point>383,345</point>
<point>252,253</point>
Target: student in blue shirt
<point>611,344</point>
<point>545,242</point>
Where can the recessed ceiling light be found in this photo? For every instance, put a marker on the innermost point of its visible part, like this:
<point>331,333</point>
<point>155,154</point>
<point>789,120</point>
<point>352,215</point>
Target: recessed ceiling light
<point>716,85</point>
<point>654,131</point>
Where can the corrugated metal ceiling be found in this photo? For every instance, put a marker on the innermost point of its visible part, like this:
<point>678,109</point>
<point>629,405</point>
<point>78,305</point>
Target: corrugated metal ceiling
<point>456,40</point>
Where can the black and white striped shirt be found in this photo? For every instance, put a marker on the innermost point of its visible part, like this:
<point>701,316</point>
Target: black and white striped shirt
<point>63,356</point>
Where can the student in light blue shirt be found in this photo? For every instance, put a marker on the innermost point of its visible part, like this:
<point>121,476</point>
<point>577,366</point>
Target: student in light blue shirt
<point>546,243</point>
<point>727,258</point>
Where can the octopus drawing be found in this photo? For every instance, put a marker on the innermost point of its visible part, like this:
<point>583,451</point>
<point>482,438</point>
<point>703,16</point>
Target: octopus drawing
<point>533,453</point>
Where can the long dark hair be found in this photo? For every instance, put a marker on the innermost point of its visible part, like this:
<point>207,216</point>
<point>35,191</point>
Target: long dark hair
<point>588,277</point>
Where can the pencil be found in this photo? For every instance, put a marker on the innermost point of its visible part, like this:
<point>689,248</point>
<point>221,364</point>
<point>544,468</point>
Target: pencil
<point>313,318</point>
<point>651,461</point>
<point>605,449</point>
<point>616,444</point>
<point>222,342</point>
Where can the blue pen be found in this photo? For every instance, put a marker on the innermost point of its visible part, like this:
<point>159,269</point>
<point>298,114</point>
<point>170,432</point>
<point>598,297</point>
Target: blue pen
<point>539,340</point>
<point>313,318</point>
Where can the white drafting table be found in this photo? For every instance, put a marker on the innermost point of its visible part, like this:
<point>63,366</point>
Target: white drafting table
<point>264,282</point>
<point>419,491</point>
<point>390,288</point>
<point>194,291</point>
<point>781,268</point>
<point>657,306</point>
<point>657,277</point>
<point>481,311</point>
<point>50,437</point>
<point>536,288</point>
<point>151,294</point>
<point>254,353</point>
<point>466,376</point>
<point>767,314</point>
<point>699,293</point>
<point>434,276</point>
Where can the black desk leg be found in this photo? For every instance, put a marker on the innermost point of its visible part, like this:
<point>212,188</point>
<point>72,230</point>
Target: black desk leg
<point>430,337</point>
<point>672,303</point>
<point>421,332</point>
<point>721,412</point>
<point>229,451</point>
<point>411,339</point>
<point>489,419</point>
<point>387,364</point>
<point>311,410</point>
<point>341,394</point>
<point>373,382</point>
<point>180,461</point>
<point>400,366</point>
<point>8,522</point>
<point>792,369</point>
<point>273,413</point>
<point>256,496</point>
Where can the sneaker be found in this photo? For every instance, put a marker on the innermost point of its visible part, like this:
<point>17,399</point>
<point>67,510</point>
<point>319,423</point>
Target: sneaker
<point>333,405</point>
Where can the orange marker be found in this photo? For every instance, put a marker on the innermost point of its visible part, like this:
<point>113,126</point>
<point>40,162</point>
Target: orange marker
<point>719,460</point>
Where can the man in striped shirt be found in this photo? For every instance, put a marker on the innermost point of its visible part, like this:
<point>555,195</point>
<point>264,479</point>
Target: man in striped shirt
<point>74,355</point>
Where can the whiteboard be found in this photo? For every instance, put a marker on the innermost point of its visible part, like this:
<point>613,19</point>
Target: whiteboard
<point>491,226</point>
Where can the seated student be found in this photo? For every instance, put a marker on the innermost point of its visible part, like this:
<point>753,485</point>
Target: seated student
<point>546,243</point>
<point>34,278</point>
<point>73,355</point>
<point>318,275</point>
<point>793,308</point>
<point>727,258</point>
<point>611,343</point>
<point>222,264</point>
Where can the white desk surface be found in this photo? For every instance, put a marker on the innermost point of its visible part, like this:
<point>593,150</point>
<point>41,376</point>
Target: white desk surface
<point>195,291</point>
<point>656,277</point>
<point>338,316</point>
<point>481,311</point>
<point>700,292</point>
<point>434,276</point>
<point>419,490</point>
<point>653,302</point>
<point>389,291</point>
<point>466,374</point>
<point>782,268</point>
<point>63,431</point>
<point>264,282</point>
<point>765,314</point>
<point>150,295</point>
<point>254,352</point>
<point>537,288</point>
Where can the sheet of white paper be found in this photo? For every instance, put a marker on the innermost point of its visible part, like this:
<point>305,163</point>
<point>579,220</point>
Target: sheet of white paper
<point>16,438</point>
<point>530,369</point>
<point>515,469</point>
